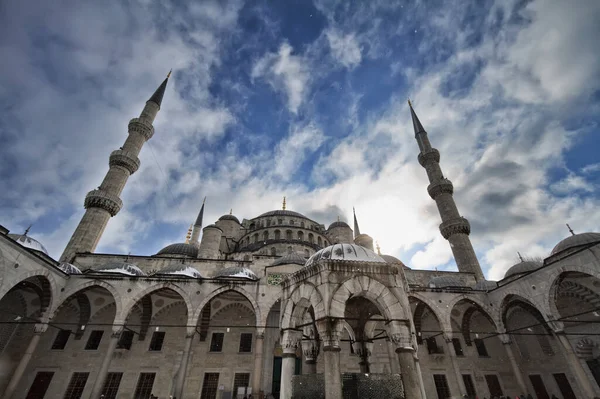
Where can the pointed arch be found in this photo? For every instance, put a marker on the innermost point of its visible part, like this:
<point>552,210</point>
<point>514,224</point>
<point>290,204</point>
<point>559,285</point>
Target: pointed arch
<point>299,301</point>
<point>85,285</point>
<point>196,314</point>
<point>556,276</point>
<point>46,281</point>
<point>132,302</point>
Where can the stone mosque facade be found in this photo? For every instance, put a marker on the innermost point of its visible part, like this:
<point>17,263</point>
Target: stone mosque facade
<point>260,305</point>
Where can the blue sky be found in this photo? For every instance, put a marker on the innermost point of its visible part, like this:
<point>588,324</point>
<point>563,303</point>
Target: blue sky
<point>308,100</point>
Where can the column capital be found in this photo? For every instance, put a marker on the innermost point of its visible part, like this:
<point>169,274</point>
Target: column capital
<point>558,327</point>
<point>290,341</point>
<point>330,331</point>
<point>310,349</point>
<point>448,336</point>
<point>399,334</point>
<point>116,331</point>
<point>505,338</point>
<point>40,328</point>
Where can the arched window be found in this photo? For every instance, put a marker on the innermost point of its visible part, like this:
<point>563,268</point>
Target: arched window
<point>306,253</point>
<point>291,222</point>
<point>279,221</point>
<point>319,242</point>
<point>268,222</point>
<point>265,235</point>
<point>301,236</point>
<point>290,249</point>
<point>255,238</point>
<point>277,234</point>
<point>311,238</point>
<point>273,251</point>
<point>252,226</point>
<point>302,224</point>
<point>288,235</point>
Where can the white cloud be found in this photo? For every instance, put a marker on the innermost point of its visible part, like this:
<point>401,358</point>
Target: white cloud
<point>285,72</point>
<point>570,184</point>
<point>291,151</point>
<point>345,48</point>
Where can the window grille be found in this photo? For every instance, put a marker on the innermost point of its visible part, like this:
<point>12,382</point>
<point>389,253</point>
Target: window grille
<point>216,343</point>
<point>481,349</point>
<point>432,346</point>
<point>143,390</point>
<point>493,384</point>
<point>240,380</point>
<point>157,340</point>
<point>563,384</point>
<point>61,339</point>
<point>40,385</point>
<point>94,340</point>
<point>111,385</point>
<point>441,386</point>
<point>469,386</point>
<point>210,386</point>
<point>76,386</point>
<point>125,340</point>
<point>246,342</point>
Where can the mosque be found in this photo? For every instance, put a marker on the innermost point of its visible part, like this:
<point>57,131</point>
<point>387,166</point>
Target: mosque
<point>280,306</point>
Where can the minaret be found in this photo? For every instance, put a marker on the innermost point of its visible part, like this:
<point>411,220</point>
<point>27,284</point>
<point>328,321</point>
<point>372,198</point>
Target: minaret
<point>364,240</point>
<point>356,229</point>
<point>198,225</point>
<point>454,227</point>
<point>104,202</point>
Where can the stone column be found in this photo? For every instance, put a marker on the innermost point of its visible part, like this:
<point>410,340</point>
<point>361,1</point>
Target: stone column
<point>38,330</point>
<point>418,365</point>
<point>394,365</point>
<point>258,364</point>
<point>103,372</point>
<point>289,344</point>
<point>363,350</point>
<point>585,385</point>
<point>507,342</point>
<point>399,334</point>
<point>452,353</point>
<point>185,358</point>
<point>310,349</point>
<point>330,331</point>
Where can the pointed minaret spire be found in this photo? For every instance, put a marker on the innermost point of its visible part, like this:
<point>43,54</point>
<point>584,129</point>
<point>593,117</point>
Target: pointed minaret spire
<point>158,95</point>
<point>103,203</point>
<point>283,207</point>
<point>454,228</point>
<point>27,230</point>
<point>568,227</point>
<point>198,224</point>
<point>356,229</point>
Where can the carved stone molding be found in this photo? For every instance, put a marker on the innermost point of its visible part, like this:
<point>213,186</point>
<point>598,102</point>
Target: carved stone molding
<point>310,349</point>
<point>399,335</point>
<point>40,328</point>
<point>142,127</point>
<point>440,187</point>
<point>290,341</point>
<point>124,159</point>
<point>458,225</point>
<point>432,155</point>
<point>103,200</point>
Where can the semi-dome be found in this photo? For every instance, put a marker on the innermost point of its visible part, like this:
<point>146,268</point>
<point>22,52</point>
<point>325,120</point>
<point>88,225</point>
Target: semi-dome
<point>485,285</point>
<point>339,223</point>
<point>230,217</point>
<point>345,252</point>
<point>522,267</point>
<point>180,249</point>
<point>236,272</point>
<point>69,268</point>
<point>290,259</point>
<point>576,240</point>
<point>128,269</point>
<point>28,242</point>
<point>393,260</point>
<point>445,282</point>
<point>180,269</point>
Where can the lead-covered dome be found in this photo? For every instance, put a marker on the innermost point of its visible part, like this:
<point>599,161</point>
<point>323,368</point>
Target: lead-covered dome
<point>180,249</point>
<point>236,272</point>
<point>290,259</point>
<point>523,267</point>
<point>179,269</point>
<point>282,212</point>
<point>346,252</point>
<point>28,242</point>
<point>485,285</point>
<point>230,217</point>
<point>393,260</point>
<point>576,240</point>
<point>445,282</point>
<point>128,269</point>
<point>69,268</point>
<point>339,223</point>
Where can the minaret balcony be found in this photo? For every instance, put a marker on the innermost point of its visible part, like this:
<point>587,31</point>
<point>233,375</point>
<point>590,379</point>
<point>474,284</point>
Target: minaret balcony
<point>440,187</point>
<point>103,200</point>
<point>458,225</point>
<point>426,157</point>
<point>142,127</point>
<point>124,159</point>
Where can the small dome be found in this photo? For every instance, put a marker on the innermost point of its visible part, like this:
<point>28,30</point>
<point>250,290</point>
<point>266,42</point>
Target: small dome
<point>445,282</point>
<point>522,267</point>
<point>180,269</point>
<point>236,272</point>
<point>338,224</point>
<point>28,242</point>
<point>576,240</point>
<point>485,285</point>
<point>181,249</point>
<point>290,259</point>
<point>229,217</point>
<point>393,260</point>
<point>69,268</point>
<point>212,226</point>
<point>345,252</point>
<point>128,269</point>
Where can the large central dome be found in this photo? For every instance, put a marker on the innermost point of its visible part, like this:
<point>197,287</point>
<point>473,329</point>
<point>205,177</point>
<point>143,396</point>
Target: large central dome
<point>346,252</point>
<point>282,212</point>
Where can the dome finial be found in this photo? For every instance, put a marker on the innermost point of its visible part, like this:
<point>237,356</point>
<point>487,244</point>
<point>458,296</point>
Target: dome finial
<point>378,247</point>
<point>188,236</point>
<point>338,218</point>
<point>27,230</point>
<point>520,257</point>
<point>409,103</point>
<point>570,230</point>
<point>169,74</point>
<point>231,211</point>
<point>283,207</point>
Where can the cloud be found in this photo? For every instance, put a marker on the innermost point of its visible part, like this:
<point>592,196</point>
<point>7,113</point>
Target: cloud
<point>286,73</point>
<point>290,152</point>
<point>570,184</point>
<point>344,48</point>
